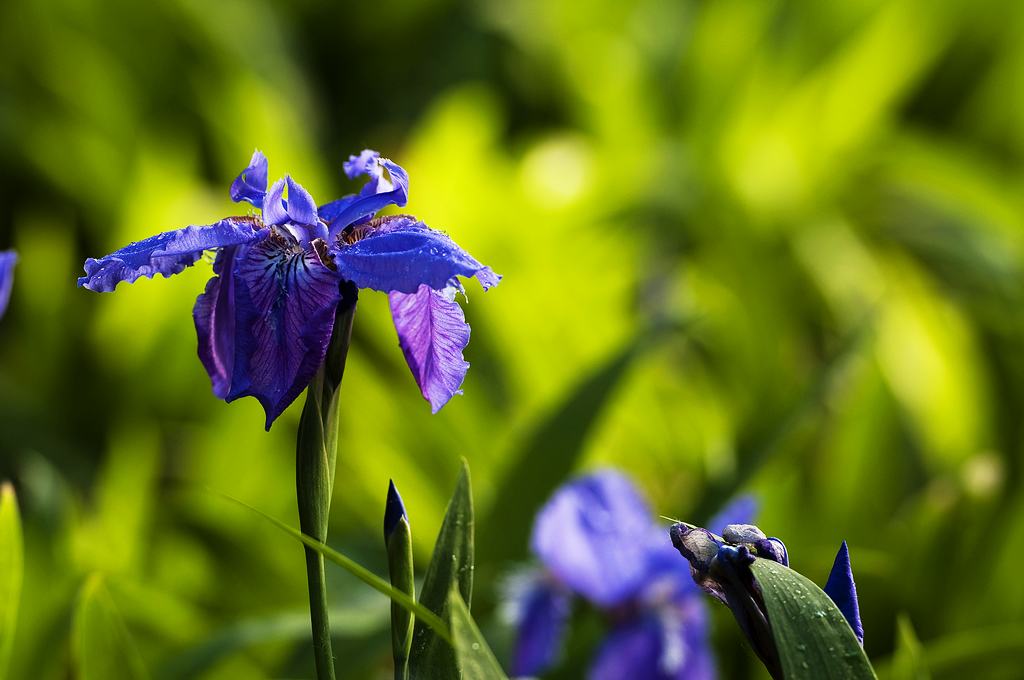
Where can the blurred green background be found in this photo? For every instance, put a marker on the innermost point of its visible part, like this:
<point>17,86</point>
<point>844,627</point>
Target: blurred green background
<point>823,202</point>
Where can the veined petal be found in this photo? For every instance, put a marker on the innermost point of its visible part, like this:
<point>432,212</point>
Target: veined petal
<point>264,333</point>
<point>167,253</point>
<point>586,535</point>
<point>251,183</point>
<point>542,613</point>
<point>214,317</point>
<point>381,190</point>
<point>843,591</point>
<point>432,332</point>
<point>654,647</point>
<point>7,261</point>
<point>400,254</point>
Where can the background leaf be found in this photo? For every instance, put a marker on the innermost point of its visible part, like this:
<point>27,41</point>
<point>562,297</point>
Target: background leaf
<point>451,568</point>
<point>104,648</point>
<point>813,639</point>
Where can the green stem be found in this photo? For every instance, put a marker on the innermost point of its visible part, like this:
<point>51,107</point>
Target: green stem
<point>315,457</point>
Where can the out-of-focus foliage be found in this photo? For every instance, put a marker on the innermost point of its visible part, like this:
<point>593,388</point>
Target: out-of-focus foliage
<point>827,198</point>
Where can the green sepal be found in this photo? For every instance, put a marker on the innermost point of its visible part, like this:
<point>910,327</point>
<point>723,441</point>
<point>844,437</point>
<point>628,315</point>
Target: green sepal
<point>400,571</point>
<point>475,657</point>
<point>451,567</point>
<point>813,639</point>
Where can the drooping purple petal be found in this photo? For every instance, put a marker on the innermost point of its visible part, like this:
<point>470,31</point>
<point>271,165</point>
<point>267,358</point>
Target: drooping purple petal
<point>401,254</point>
<point>8,259</point>
<point>251,183</point>
<point>271,324</point>
<point>381,190</point>
<point>167,253</point>
<point>587,536</point>
<point>214,317</point>
<point>432,332</point>
<point>543,611</point>
<point>843,591</point>
<point>655,647</point>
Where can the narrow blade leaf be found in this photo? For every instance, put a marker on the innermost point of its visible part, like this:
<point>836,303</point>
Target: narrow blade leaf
<point>813,639</point>
<point>12,564</point>
<point>475,657</point>
<point>451,567</point>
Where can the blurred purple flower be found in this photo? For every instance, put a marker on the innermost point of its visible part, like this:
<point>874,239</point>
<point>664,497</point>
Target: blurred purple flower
<point>266,317</point>
<point>8,259</point>
<point>597,540</point>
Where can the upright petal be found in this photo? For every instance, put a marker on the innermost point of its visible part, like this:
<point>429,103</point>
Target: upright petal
<point>655,647</point>
<point>301,206</point>
<point>7,261</point>
<point>432,332</point>
<point>381,190</point>
<point>843,591</point>
<point>251,183</point>
<point>401,253</point>
<point>167,253</point>
<point>541,614</point>
<point>264,333</point>
<point>586,535</point>
<point>275,211</point>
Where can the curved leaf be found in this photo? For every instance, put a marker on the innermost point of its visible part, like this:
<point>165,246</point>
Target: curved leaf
<point>813,639</point>
<point>475,658</point>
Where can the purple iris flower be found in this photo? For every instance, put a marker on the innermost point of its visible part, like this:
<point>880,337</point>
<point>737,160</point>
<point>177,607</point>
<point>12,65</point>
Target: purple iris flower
<point>266,317</point>
<point>8,259</point>
<point>597,540</point>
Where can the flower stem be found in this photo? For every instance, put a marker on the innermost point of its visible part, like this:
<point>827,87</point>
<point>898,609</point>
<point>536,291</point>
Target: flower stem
<point>315,457</point>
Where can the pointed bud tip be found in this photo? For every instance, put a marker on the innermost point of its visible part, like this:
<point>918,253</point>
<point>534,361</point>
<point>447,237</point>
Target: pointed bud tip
<point>394,510</point>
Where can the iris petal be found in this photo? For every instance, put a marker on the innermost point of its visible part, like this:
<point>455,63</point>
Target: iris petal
<point>7,262</point>
<point>264,333</point>
<point>251,183</point>
<point>586,535</point>
<point>380,191</point>
<point>214,317</point>
<point>167,253</point>
<point>843,591</point>
<point>301,206</point>
<point>274,210</point>
<point>432,332</point>
<point>402,254</point>
<point>543,612</point>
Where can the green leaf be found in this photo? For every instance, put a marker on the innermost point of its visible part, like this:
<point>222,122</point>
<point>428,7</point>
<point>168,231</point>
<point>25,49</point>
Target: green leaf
<point>908,661</point>
<point>814,640</point>
<point>12,565</point>
<point>103,646</point>
<point>451,567</point>
<point>475,658</point>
